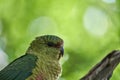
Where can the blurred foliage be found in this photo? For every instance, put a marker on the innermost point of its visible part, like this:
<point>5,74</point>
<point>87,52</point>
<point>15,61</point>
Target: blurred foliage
<point>90,29</point>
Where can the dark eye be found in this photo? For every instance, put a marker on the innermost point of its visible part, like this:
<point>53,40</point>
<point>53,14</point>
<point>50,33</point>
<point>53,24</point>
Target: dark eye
<point>50,44</point>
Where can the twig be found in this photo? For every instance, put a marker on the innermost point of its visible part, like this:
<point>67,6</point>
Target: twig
<point>104,69</point>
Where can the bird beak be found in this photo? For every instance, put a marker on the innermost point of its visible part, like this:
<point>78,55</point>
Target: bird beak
<point>61,51</point>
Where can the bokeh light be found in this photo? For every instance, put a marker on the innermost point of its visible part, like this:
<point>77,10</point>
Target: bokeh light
<point>109,1</point>
<point>3,59</point>
<point>96,21</point>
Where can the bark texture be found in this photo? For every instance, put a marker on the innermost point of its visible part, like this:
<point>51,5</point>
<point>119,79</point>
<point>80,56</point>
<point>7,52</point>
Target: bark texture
<point>104,69</point>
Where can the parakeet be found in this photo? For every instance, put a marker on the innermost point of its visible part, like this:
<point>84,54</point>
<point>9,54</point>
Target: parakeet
<point>40,62</point>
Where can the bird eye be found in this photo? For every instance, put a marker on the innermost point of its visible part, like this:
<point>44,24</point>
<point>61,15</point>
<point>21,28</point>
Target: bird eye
<point>50,44</point>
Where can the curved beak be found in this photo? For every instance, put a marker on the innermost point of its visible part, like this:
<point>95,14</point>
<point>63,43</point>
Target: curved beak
<point>62,51</point>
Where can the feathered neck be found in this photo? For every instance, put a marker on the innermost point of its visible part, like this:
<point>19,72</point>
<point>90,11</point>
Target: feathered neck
<point>46,69</point>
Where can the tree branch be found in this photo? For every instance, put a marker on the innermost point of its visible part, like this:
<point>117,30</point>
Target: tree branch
<point>104,69</point>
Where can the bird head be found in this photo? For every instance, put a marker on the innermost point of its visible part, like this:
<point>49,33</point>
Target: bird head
<point>47,45</point>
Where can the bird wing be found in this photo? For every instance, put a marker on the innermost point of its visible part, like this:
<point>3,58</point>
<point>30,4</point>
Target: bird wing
<point>19,69</point>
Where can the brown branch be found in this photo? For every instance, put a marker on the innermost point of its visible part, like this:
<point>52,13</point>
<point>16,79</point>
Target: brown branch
<point>104,69</point>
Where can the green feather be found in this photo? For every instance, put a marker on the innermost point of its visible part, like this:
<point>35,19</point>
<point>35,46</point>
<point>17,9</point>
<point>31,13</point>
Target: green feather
<point>19,69</point>
<point>41,61</point>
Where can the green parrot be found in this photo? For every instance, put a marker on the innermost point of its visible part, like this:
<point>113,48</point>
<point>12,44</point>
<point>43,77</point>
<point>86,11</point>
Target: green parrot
<point>41,61</point>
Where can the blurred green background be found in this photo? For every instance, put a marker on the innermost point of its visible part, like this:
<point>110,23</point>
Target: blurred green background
<point>90,29</point>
